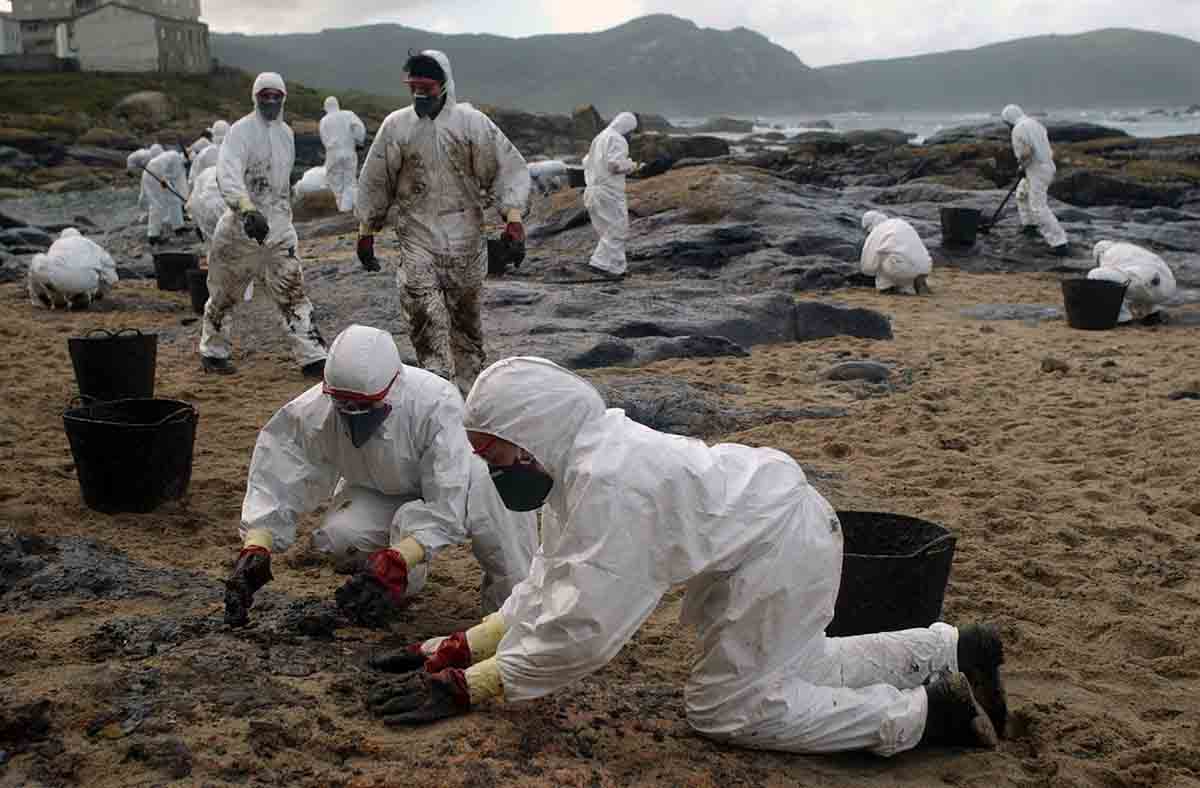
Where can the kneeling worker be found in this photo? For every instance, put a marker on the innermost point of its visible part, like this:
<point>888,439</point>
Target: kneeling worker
<point>895,255</point>
<point>386,442</point>
<point>632,513</point>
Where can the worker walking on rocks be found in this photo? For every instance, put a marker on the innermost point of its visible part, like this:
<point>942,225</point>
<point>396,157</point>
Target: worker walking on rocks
<point>604,170</point>
<point>255,236</point>
<point>386,442</point>
<point>895,255</point>
<point>341,133</point>
<point>440,163</point>
<point>1031,144</point>
<point>74,272</point>
<point>1151,282</point>
<point>631,513</point>
<point>165,187</point>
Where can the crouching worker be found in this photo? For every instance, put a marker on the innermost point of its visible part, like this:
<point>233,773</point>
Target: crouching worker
<point>895,255</point>
<point>74,272</point>
<point>386,442</point>
<point>1151,281</point>
<point>632,512</point>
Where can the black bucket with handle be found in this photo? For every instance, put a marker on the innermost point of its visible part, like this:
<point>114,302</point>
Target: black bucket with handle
<point>112,366</point>
<point>132,455</point>
<point>197,280</point>
<point>170,269</point>
<point>960,226</point>
<point>894,573</point>
<point>1093,304</point>
<point>575,178</point>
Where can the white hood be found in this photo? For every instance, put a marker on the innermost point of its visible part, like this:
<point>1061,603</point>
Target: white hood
<point>535,404</point>
<point>364,361</point>
<point>1012,114</point>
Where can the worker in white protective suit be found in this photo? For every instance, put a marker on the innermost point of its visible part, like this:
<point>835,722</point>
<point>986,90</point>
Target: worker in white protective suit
<point>341,134</point>
<point>895,255</point>
<point>604,170</point>
<point>440,163</point>
<point>1031,145</point>
<point>386,442</point>
<point>74,272</point>
<point>205,204</point>
<point>1151,282</point>
<point>255,236</point>
<point>206,158</point>
<point>548,176</point>
<point>136,163</point>
<point>165,188</point>
<point>632,512</point>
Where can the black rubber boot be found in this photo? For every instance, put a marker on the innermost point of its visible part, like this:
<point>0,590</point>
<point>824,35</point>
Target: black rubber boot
<point>1155,319</point>
<point>980,655</point>
<point>218,366</point>
<point>1062,250</point>
<point>955,718</point>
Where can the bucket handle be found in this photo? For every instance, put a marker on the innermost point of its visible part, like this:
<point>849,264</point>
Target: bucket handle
<point>178,415</point>
<point>937,544</point>
<point>112,334</point>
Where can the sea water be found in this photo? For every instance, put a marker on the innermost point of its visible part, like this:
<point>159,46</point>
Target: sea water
<point>1147,122</point>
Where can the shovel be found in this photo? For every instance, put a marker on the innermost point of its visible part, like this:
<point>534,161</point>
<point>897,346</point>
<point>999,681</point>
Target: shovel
<point>986,227</point>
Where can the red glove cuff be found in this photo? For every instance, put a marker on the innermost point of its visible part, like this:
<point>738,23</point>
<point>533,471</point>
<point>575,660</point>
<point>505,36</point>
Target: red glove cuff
<point>389,568</point>
<point>514,231</point>
<point>253,549</point>
<point>453,652</point>
<point>455,679</point>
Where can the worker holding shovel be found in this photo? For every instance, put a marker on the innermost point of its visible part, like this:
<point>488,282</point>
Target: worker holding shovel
<point>1031,145</point>
<point>165,190</point>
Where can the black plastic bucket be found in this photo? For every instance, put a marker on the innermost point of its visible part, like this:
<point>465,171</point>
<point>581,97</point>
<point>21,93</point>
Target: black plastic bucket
<point>170,269</point>
<point>1092,304</point>
<point>131,455</point>
<point>575,178</point>
<point>960,225</point>
<point>894,573</point>
<point>112,366</point>
<point>197,280</point>
<point>498,257</point>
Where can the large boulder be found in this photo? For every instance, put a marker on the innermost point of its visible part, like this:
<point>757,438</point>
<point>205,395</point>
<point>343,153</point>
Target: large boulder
<point>652,147</point>
<point>649,122</point>
<point>146,109</point>
<point>97,157</point>
<point>882,138</point>
<point>22,237</point>
<point>1057,130</point>
<point>537,134</point>
<point>107,138</point>
<point>586,122</point>
<point>1088,188</point>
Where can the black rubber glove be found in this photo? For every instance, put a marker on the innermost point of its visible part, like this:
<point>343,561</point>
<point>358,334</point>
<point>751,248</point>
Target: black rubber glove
<point>366,253</point>
<point>251,572</point>
<point>256,226</point>
<point>406,660</point>
<point>421,698</point>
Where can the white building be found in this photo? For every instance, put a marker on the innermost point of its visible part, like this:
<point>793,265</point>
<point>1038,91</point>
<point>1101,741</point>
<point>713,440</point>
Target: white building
<point>10,35</point>
<point>119,36</point>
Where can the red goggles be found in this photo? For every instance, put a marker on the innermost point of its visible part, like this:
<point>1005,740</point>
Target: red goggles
<point>424,86</point>
<point>355,401</point>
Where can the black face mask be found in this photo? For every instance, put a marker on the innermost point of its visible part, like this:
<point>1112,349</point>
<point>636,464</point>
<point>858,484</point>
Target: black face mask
<point>270,110</point>
<point>363,425</point>
<point>523,486</point>
<point>428,106</point>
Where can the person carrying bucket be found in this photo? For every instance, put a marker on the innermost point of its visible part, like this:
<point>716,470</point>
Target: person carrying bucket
<point>385,440</point>
<point>1031,144</point>
<point>632,512</point>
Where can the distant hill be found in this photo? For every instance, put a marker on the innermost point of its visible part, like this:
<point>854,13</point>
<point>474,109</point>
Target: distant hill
<point>657,63</point>
<point>1113,67</point>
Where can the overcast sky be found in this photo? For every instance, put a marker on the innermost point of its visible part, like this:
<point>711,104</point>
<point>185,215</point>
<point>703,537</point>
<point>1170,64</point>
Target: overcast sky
<point>820,32</point>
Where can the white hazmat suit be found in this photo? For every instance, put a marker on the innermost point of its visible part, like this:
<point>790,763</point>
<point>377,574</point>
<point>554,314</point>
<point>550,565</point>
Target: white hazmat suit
<point>341,132</point>
<point>205,204</point>
<point>165,209</point>
<point>415,477</point>
<point>633,512</point>
<point>254,169</point>
<point>440,174</point>
<point>893,253</point>
<point>136,164</point>
<point>1151,281</point>
<point>1032,148</point>
<point>604,170</point>
<point>548,176</point>
<point>74,272</point>
<point>207,158</point>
